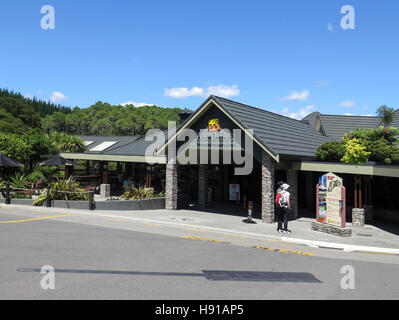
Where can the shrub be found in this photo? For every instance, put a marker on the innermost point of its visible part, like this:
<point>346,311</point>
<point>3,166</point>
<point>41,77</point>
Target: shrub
<point>333,151</point>
<point>133,193</point>
<point>19,180</point>
<point>380,150</point>
<point>355,152</point>
<point>72,190</point>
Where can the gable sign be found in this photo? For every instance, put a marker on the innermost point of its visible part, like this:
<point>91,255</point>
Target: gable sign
<point>214,125</point>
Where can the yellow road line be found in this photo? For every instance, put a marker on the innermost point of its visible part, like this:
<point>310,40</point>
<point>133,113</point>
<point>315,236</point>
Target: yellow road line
<point>374,252</point>
<point>35,219</point>
<point>117,220</point>
<point>190,229</point>
<point>200,238</point>
<point>234,235</point>
<point>152,224</point>
<point>285,251</point>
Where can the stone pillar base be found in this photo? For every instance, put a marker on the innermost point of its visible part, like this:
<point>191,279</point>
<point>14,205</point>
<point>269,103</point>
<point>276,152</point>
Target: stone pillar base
<point>105,190</point>
<point>358,217</point>
<point>171,187</point>
<point>328,228</point>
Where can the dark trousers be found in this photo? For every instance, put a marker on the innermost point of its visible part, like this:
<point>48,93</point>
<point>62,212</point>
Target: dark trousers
<point>282,216</point>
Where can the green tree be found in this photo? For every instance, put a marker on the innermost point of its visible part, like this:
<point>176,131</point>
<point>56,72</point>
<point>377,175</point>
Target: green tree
<point>15,147</point>
<point>25,116</point>
<point>62,142</point>
<point>386,114</point>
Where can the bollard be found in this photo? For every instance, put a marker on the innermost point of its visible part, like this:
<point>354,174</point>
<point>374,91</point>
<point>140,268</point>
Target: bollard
<point>250,211</point>
<point>48,198</point>
<point>8,200</point>
<point>250,208</point>
<point>91,200</point>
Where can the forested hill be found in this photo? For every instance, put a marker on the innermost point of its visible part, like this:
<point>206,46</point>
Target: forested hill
<point>43,108</point>
<point>19,114</point>
<point>106,119</point>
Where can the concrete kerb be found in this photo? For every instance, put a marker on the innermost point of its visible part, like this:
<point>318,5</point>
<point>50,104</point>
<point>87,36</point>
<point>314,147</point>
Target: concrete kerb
<point>310,243</point>
<point>340,246</point>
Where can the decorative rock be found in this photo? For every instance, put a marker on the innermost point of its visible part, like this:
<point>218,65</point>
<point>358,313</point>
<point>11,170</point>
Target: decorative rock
<point>358,217</point>
<point>331,229</point>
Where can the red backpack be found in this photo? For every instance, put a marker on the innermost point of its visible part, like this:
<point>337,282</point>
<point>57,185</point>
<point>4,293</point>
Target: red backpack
<point>279,199</point>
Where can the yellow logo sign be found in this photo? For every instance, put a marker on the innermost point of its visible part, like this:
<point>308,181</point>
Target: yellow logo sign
<point>214,125</point>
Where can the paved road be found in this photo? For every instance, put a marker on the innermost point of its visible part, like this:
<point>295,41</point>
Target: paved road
<point>104,258</point>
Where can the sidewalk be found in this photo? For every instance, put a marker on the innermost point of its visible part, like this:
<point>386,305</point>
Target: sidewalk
<point>367,238</point>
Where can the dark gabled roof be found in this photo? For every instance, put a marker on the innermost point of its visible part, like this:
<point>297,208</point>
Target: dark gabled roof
<point>336,126</point>
<point>97,140</point>
<point>280,134</point>
<point>135,148</point>
<point>395,122</point>
<point>311,119</point>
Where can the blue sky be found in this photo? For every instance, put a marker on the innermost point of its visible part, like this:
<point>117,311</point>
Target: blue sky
<point>286,56</point>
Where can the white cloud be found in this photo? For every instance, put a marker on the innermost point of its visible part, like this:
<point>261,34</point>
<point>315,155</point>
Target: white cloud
<point>347,104</point>
<point>348,114</point>
<point>330,27</point>
<point>136,104</point>
<point>220,90</point>
<point>223,91</point>
<point>302,113</point>
<point>182,93</point>
<point>301,96</point>
<point>58,97</point>
<point>365,107</point>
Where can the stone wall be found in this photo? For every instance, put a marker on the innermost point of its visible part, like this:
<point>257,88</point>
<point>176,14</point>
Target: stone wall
<point>268,192</point>
<point>171,187</point>
<point>358,217</point>
<point>330,229</point>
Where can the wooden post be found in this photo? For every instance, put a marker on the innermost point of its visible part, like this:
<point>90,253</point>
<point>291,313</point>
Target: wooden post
<point>8,200</point>
<point>343,213</point>
<point>66,175</point>
<point>91,200</point>
<point>48,199</point>
<point>317,203</point>
<point>105,172</point>
<point>358,192</point>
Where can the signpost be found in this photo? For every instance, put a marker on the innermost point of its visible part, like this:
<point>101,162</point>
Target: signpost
<point>331,205</point>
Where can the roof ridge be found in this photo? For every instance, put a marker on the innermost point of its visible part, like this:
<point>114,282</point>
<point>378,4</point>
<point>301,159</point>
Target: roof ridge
<point>263,110</point>
<point>347,115</point>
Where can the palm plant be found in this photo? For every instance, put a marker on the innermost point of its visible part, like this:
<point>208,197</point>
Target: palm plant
<point>63,190</point>
<point>386,114</point>
<point>19,180</point>
<point>63,142</point>
<point>133,193</point>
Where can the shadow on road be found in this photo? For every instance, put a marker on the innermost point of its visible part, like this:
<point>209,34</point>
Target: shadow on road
<point>211,275</point>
